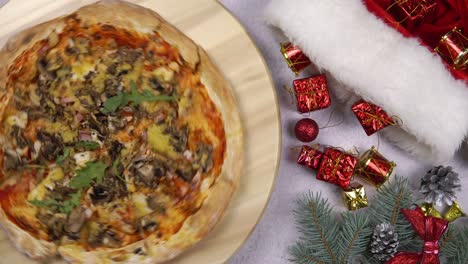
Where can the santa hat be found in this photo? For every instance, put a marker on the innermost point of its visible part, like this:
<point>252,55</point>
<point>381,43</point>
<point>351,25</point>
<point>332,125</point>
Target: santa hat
<point>379,64</point>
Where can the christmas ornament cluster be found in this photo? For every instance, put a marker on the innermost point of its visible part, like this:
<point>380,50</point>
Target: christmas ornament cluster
<point>335,165</point>
<point>402,57</point>
<point>396,227</point>
<point>338,167</point>
<point>312,94</point>
<point>392,230</point>
<point>438,187</point>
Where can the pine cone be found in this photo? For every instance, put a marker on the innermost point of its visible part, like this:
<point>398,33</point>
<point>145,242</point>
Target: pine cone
<point>439,185</point>
<point>384,242</point>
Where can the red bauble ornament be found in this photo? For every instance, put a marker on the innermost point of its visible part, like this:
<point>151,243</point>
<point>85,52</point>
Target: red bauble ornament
<point>306,130</point>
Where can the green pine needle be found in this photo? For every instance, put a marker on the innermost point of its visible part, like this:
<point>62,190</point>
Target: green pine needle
<point>453,247</point>
<point>325,240</point>
<point>354,236</point>
<point>386,206</point>
<point>318,229</point>
<point>448,240</point>
<point>303,253</point>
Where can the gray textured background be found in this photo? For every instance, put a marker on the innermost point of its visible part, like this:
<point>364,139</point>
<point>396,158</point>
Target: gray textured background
<point>276,231</point>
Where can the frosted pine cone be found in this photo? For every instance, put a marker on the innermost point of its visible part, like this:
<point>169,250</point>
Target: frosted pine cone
<point>439,185</point>
<point>385,242</point>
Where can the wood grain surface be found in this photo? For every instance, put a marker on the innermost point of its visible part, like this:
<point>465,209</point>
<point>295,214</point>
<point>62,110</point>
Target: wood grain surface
<point>225,40</point>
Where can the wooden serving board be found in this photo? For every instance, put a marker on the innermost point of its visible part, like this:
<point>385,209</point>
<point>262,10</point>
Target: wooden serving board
<point>225,40</point>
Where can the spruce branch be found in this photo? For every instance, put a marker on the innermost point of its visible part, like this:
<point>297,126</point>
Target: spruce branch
<point>453,247</point>
<point>386,206</point>
<point>323,240</point>
<point>304,254</point>
<point>354,236</point>
<point>318,229</point>
<point>447,238</point>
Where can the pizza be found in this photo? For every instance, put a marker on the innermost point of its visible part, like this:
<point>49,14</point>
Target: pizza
<point>121,141</point>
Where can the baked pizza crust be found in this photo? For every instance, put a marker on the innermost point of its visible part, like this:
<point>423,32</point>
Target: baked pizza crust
<point>35,248</point>
<point>133,17</point>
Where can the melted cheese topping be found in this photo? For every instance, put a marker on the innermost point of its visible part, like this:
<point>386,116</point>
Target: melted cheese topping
<point>160,141</point>
<point>20,120</point>
<point>141,205</point>
<point>46,185</point>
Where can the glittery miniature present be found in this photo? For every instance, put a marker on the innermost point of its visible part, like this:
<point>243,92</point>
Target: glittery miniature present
<point>372,117</point>
<point>337,167</point>
<point>312,93</point>
<point>295,58</point>
<point>355,197</point>
<point>310,157</point>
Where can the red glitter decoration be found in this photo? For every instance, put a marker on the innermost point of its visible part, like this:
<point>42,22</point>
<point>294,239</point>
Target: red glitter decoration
<point>306,130</point>
<point>337,167</point>
<point>297,61</point>
<point>375,168</point>
<point>411,13</point>
<point>312,93</point>
<point>372,117</point>
<point>453,47</point>
<point>310,157</point>
<point>430,229</point>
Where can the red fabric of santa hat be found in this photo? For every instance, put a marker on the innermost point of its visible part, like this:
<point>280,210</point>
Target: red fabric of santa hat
<point>379,64</point>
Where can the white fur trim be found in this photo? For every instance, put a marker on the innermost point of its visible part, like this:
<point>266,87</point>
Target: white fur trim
<point>378,64</point>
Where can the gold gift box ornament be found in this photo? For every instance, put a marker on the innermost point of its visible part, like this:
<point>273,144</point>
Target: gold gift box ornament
<point>355,196</point>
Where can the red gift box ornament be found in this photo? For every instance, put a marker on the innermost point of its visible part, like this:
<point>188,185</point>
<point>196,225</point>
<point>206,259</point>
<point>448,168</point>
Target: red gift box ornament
<point>295,58</point>
<point>372,117</point>
<point>337,167</point>
<point>374,167</point>
<point>453,48</point>
<point>312,93</point>
<point>310,157</point>
<point>430,230</point>
<point>411,13</point>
